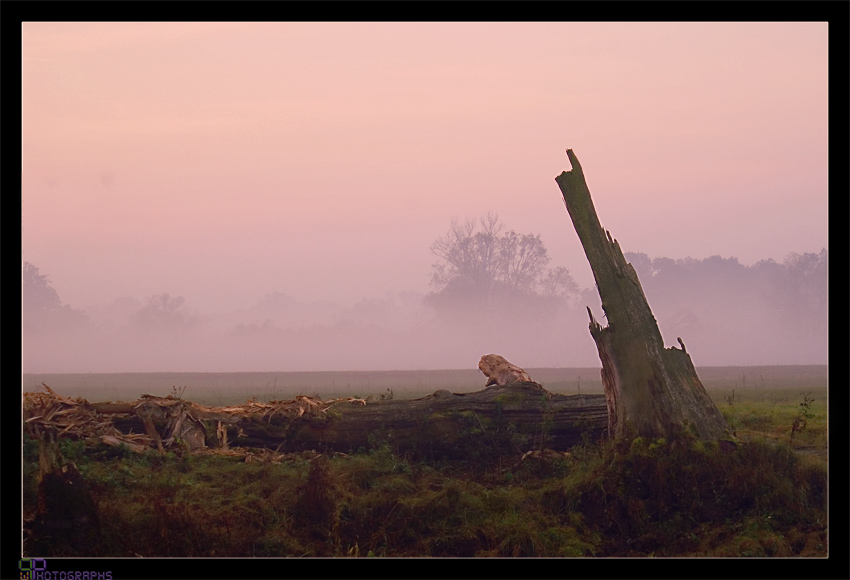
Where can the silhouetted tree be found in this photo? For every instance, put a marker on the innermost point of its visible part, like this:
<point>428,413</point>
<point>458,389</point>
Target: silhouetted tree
<point>491,267</point>
<point>470,260</point>
<point>41,307</point>
<point>38,294</point>
<point>557,283</point>
<point>162,312</point>
<point>805,296</point>
<point>522,261</point>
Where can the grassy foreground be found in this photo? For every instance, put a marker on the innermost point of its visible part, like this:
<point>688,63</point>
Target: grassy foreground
<point>644,498</point>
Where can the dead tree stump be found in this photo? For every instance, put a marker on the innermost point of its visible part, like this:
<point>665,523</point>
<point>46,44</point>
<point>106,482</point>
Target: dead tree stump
<point>67,522</point>
<point>651,391</point>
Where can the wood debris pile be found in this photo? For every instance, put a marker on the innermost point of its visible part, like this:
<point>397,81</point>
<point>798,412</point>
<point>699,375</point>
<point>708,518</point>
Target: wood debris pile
<point>49,414</point>
<point>288,407</point>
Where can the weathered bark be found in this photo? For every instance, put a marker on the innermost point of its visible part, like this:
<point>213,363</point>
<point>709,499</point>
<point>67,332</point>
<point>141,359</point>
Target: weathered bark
<point>651,391</point>
<point>500,372</point>
<point>516,417</point>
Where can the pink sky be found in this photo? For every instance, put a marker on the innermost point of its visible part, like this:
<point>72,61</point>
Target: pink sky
<point>223,161</point>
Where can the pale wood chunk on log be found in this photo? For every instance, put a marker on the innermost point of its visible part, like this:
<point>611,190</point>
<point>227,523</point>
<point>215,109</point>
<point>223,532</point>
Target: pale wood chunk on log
<point>500,372</point>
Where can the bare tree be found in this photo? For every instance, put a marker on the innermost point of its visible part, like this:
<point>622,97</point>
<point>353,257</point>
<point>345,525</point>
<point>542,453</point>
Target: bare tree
<point>558,283</point>
<point>478,268</point>
<point>523,260</point>
<point>162,313</point>
<point>470,258</point>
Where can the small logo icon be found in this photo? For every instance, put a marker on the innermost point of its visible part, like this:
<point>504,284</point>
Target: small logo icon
<point>29,565</point>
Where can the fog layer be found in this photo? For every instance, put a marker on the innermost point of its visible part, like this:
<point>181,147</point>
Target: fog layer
<point>726,313</point>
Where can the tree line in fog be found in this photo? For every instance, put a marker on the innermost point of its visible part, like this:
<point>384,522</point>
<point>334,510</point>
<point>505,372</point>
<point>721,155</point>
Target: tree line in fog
<point>491,289</point>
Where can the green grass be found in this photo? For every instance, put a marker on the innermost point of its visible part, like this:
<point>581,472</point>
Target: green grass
<point>643,498</point>
<point>770,414</point>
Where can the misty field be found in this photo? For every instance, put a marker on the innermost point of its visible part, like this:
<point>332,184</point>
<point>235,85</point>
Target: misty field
<point>234,388</point>
<point>647,498</point>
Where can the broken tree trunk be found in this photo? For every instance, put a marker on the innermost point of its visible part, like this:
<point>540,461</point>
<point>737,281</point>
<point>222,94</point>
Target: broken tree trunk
<point>650,391</point>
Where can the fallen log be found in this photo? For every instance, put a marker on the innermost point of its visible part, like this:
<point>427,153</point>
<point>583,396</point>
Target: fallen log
<point>511,418</point>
